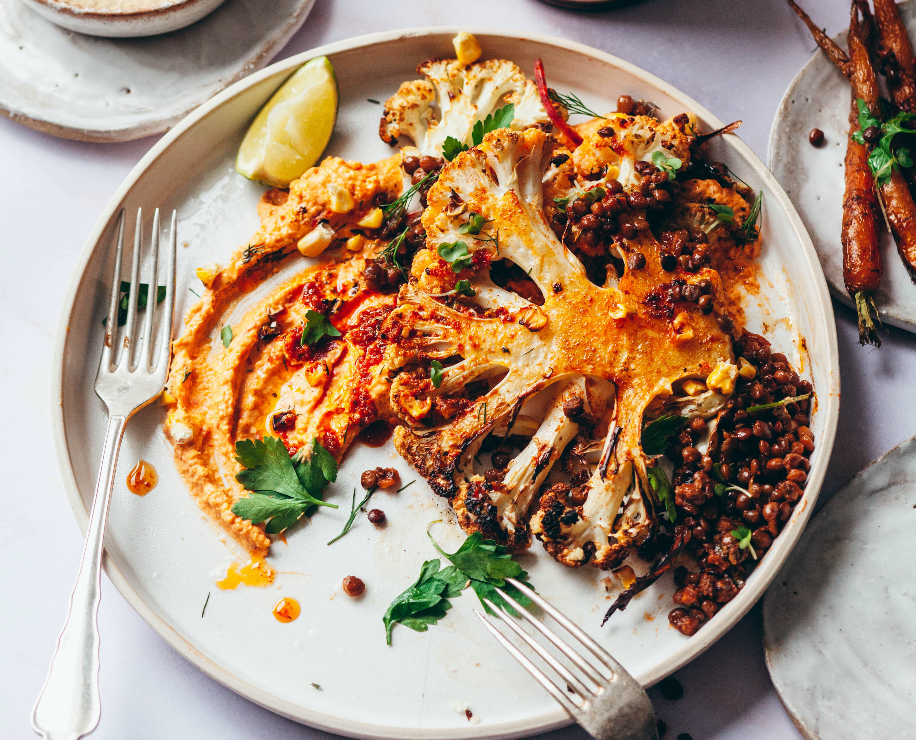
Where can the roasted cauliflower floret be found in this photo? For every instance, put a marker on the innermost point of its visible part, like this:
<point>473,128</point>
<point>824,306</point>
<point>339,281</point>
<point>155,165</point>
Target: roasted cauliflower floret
<point>603,156</point>
<point>452,97</point>
<point>605,353</point>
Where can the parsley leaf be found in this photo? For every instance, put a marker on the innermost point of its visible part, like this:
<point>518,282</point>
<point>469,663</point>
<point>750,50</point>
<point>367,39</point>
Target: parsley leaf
<point>561,202</point>
<point>656,433</point>
<point>456,254</point>
<point>783,402</point>
<point>593,195</point>
<point>451,148</point>
<point>226,335</point>
<point>661,487</point>
<point>435,373</point>
<point>463,287</point>
<point>427,600</point>
<point>487,565</point>
<point>743,535</point>
<point>283,488</point>
<point>501,118</point>
<point>883,160</point>
<point>316,327</point>
<point>667,164</point>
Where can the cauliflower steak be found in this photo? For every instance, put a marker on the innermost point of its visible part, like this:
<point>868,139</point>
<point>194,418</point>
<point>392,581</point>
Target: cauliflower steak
<point>605,352</point>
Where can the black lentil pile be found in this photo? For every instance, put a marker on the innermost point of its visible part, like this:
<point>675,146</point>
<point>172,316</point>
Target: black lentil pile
<point>735,499</point>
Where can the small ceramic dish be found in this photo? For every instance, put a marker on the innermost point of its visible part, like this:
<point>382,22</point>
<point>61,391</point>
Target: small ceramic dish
<point>813,176</point>
<point>105,89</point>
<point>123,18</point>
<point>838,631</point>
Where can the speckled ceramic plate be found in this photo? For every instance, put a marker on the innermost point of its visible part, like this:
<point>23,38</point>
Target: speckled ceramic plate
<point>839,633</point>
<point>813,177</point>
<point>165,557</point>
<point>106,89</point>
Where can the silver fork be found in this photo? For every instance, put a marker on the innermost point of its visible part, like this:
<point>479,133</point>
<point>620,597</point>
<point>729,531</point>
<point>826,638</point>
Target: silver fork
<point>603,698</point>
<point>132,373</point>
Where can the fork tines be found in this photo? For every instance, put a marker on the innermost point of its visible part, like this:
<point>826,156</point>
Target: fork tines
<point>136,345</point>
<point>596,671</point>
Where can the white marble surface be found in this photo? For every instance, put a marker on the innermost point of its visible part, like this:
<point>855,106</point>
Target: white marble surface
<point>735,62</point>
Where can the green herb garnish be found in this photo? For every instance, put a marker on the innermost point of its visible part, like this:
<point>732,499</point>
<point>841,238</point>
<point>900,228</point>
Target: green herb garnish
<point>657,433</point>
<point>501,118</point>
<point>750,223</point>
<point>463,287</point>
<point>283,487</point>
<point>487,565</point>
<point>451,148</point>
<point>743,535</point>
<point>561,202</point>
<point>354,507</point>
<point>435,373</point>
<point>406,485</point>
<point>394,211</point>
<point>226,335</point>
<point>142,300</point>
<point>667,164</point>
<point>427,600</point>
<point>783,402</point>
<point>661,487</point>
<point>316,327</point>
<point>482,412</point>
<point>203,611</point>
<point>573,103</point>
<point>723,214</point>
<point>883,159</point>
<point>456,254</point>
<point>475,224</point>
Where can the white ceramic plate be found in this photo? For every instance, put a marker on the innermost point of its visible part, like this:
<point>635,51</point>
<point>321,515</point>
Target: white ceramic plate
<point>839,637</point>
<point>104,89</point>
<point>164,556</point>
<point>813,177</point>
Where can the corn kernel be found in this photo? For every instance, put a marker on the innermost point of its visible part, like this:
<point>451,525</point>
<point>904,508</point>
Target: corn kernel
<point>746,369</point>
<point>207,273</point>
<point>722,378</point>
<point>167,398</point>
<point>693,387</point>
<point>316,241</point>
<point>341,200</point>
<point>372,220</point>
<point>355,242</point>
<point>467,48</point>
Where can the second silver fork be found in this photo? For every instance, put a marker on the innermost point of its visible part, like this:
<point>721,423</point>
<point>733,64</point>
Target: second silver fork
<point>602,697</point>
<point>132,373</point>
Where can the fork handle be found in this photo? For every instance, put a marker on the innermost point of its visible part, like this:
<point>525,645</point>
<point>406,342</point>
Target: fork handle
<point>68,706</point>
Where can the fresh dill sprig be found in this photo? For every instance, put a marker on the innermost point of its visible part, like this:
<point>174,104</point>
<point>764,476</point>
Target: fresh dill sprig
<point>573,103</point>
<point>394,211</point>
<point>390,253</point>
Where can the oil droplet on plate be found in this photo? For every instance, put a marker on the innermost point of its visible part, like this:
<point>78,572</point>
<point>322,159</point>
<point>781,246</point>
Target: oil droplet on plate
<point>256,573</point>
<point>142,479</point>
<point>287,610</point>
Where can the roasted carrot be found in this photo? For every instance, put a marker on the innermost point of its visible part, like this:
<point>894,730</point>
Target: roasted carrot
<point>899,61</point>
<point>861,259</point>
<point>898,201</point>
<point>836,54</point>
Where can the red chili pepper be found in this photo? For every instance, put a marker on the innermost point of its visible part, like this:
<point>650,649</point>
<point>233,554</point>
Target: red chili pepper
<point>541,81</point>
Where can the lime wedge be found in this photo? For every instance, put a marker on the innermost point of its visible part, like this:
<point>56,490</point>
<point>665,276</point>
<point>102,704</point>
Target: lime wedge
<point>291,131</point>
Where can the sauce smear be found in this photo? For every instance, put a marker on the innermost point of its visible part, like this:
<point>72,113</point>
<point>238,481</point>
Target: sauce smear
<point>256,573</point>
<point>376,434</point>
<point>142,479</point>
<point>287,610</point>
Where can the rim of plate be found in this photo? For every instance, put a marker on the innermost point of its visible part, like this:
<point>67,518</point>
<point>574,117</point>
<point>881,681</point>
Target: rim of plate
<point>828,400</point>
